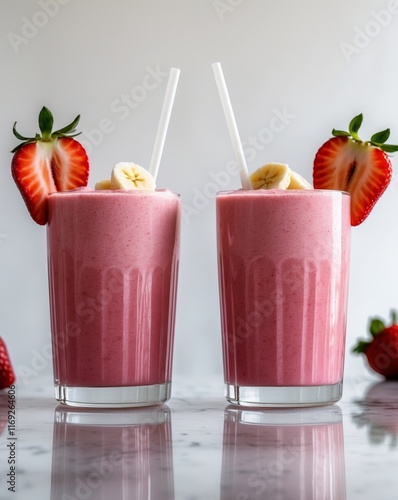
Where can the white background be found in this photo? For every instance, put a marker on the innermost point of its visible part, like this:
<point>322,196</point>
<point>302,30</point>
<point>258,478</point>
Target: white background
<point>317,62</point>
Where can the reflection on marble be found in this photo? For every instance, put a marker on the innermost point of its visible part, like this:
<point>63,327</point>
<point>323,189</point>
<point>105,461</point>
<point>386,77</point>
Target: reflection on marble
<point>119,454</point>
<point>283,454</point>
<point>198,448</point>
<point>379,413</point>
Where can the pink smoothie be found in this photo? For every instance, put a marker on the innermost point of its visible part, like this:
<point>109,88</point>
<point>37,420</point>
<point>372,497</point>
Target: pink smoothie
<point>283,275</point>
<point>113,259</point>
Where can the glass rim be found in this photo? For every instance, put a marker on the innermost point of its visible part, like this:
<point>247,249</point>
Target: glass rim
<point>99,417</point>
<point>282,192</point>
<point>88,192</point>
<point>286,416</point>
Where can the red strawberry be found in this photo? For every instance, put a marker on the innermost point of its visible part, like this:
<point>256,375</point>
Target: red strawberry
<point>69,164</point>
<point>347,163</point>
<point>32,174</point>
<point>7,376</point>
<point>52,161</point>
<point>382,351</point>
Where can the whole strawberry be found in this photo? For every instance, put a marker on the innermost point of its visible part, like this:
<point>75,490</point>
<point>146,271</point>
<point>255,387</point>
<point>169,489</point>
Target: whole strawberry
<point>382,350</point>
<point>52,161</point>
<point>7,376</point>
<point>362,168</point>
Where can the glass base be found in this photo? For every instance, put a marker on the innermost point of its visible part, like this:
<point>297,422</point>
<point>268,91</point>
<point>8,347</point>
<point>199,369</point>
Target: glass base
<point>284,396</point>
<point>113,397</point>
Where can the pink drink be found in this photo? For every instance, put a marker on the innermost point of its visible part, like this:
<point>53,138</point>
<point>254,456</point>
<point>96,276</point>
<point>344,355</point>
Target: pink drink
<point>113,259</point>
<point>283,274</point>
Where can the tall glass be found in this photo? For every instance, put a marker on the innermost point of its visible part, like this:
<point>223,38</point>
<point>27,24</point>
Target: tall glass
<point>113,260</point>
<point>283,260</point>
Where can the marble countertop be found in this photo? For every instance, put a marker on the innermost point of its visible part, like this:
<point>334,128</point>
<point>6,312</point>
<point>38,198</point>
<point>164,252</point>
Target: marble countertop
<point>199,447</point>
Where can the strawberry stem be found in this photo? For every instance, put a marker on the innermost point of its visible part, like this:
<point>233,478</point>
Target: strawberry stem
<point>361,347</point>
<point>354,126</point>
<point>377,140</point>
<point>376,326</point>
<point>46,122</point>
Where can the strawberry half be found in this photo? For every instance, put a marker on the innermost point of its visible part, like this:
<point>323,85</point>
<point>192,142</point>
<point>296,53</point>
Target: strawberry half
<point>52,161</point>
<point>382,350</point>
<point>363,169</point>
<point>7,376</point>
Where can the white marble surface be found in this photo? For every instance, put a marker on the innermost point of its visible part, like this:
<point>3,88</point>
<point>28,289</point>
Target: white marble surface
<point>197,447</point>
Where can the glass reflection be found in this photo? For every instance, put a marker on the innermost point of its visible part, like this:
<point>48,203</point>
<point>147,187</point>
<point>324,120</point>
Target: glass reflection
<point>273,454</point>
<point>121,454</point>
<point>380,413</point>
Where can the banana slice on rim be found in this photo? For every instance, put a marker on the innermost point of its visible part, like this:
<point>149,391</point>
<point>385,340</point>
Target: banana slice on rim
<point>298,182</point>
<point>271,176</point>
<point>128,175</point>
<point>104,184</point>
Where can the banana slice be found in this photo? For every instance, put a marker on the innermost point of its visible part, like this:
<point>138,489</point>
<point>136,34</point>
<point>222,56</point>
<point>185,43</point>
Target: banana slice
<point>298,182</point>
<point>271,176</point>
<point>127,175</point>
<point>104,184</point>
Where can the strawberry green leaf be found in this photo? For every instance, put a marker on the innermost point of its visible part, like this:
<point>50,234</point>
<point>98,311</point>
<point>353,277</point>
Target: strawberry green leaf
<point>69,128</point>
<point>361,347</point>
<point>46,122</point>
<point>376,326</point>
<point>355,125</point>
<point>340,133</point>
<point>18,135</point>
<point>389,148</point>
<point>30,141</point>
<point>393,316</point>
<point>380,137</point>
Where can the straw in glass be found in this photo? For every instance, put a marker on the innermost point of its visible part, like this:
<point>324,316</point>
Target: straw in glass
<point>164,121</point>
<point>232,127</point>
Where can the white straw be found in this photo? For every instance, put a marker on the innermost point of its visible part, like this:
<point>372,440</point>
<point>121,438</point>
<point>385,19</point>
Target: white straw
<point>232,127</point>
<point>164,121</point>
